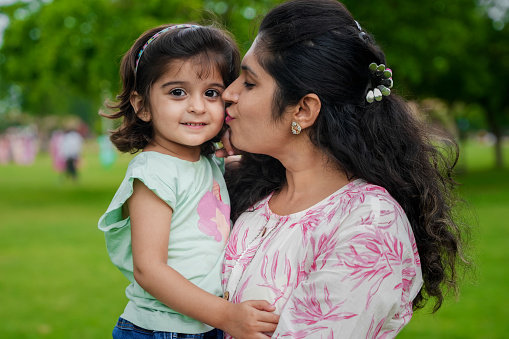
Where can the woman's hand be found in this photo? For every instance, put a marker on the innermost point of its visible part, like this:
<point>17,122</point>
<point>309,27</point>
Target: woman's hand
<point>251,319</point>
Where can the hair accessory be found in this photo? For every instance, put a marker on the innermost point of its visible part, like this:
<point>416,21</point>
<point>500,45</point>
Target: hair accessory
<point>384,75</point>
<point>155,36</point>
<point>362,34</point>
<point>296,128</point>
<point>358,25</point>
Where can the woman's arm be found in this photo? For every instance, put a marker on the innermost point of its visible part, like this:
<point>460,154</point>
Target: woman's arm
<point>150,231</point>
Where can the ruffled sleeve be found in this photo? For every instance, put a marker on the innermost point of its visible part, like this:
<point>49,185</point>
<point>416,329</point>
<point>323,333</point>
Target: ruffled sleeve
<point>116,228</point>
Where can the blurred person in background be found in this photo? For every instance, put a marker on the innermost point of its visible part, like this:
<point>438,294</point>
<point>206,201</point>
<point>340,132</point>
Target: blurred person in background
<point>55,144</point>
<point>71,147</point>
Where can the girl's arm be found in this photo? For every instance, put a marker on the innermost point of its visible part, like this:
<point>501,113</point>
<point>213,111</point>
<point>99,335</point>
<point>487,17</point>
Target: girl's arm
<point>150,231</point>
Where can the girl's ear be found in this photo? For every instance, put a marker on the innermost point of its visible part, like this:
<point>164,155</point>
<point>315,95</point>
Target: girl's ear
<point>139,108</point>
<point>306,111</point>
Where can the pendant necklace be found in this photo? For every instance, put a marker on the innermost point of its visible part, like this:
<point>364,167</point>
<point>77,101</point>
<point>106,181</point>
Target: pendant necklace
<point>261,234</point>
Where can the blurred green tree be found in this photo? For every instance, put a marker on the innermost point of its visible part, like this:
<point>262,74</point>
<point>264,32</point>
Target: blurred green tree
<point>445,49</point>
<point>61,57</point>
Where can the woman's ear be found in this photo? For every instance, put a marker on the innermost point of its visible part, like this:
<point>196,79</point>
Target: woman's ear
<point>137,103</point>
<point>306,111</point>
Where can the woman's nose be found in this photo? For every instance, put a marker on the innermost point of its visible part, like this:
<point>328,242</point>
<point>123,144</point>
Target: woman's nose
<point>230,94</point>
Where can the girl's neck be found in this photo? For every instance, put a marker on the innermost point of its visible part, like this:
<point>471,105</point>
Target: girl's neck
<point>191,154</point>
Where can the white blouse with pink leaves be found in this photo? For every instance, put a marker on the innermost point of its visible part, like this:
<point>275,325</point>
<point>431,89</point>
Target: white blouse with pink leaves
<point>347,267</point>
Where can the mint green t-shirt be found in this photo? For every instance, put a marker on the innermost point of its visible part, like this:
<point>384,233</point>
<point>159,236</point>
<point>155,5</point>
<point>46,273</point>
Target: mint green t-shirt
<point>200,226</point>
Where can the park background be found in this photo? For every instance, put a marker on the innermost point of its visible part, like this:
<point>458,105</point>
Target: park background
<point>59,62</point>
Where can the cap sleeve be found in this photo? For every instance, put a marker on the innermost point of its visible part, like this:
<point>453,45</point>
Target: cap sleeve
<point>158,177</point>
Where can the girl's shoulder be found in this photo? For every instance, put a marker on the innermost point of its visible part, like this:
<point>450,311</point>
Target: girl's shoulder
<point>152,158</point>
<point>159,163</point>
<point>158,169</point>
<point>155,170</point>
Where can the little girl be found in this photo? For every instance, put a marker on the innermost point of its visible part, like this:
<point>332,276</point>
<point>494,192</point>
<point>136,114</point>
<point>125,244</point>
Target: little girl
<point>169,221</point>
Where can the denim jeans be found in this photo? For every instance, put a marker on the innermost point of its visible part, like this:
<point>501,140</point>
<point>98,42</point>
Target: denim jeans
<point>127,330</point>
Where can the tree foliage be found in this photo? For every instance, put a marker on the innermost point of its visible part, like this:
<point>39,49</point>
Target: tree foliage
<point>445,49</point>
<point>62,57</point>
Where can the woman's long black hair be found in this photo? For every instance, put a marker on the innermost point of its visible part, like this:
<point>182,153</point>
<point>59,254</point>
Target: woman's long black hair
<point>317,47</point>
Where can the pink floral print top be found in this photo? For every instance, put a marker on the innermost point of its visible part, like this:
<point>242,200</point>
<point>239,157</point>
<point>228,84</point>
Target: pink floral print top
<point>347,267</point>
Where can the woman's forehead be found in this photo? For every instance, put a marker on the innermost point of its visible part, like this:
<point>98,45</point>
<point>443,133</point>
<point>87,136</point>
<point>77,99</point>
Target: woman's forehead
<point>251,64</point>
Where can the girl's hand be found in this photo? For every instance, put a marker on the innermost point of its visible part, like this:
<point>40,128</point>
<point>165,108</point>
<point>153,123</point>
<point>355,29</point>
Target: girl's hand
<point>228,149</point>
<point>251,319</point>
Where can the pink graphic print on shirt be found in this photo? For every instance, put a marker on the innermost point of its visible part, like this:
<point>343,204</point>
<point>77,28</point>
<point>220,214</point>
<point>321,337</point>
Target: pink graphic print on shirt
<point>214,215</point>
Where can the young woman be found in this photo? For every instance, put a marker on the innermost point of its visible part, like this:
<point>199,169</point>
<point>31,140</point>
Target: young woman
<point>341,200</point>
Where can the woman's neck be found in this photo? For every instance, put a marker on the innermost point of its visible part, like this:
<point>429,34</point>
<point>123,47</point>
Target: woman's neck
<point>310,177</point>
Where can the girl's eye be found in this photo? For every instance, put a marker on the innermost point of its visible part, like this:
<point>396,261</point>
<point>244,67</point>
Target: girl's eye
<point>212,93</point>
<point>248,85</point>
<point>178,92</point>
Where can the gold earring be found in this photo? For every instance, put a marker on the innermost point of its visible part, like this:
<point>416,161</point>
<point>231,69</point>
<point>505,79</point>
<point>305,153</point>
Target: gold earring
<point>145,114</point>
<point>296,128</point>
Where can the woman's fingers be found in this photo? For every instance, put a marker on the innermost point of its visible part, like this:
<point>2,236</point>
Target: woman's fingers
<point>228,146</point>
<point>227,143</point>
<point>221,153</point>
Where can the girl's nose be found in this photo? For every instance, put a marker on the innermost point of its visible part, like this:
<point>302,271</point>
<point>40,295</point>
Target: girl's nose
<point>197,105</point>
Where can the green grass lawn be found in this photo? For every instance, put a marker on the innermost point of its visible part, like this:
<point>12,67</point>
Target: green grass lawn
<point>56,280</point>
<point>481,310</point>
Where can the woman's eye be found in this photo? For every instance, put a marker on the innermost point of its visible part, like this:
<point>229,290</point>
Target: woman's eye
<point>212,93</point>
<point>178,92</point>
<point>248,85</point>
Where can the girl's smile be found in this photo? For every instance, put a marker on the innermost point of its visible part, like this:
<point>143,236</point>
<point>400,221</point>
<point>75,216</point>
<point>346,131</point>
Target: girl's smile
<point>194,124</point>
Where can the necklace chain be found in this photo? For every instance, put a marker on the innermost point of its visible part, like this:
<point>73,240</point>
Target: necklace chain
<point>237,262</point>
<point>264,228</point>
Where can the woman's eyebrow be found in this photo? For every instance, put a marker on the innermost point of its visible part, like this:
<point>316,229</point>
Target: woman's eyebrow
<point>248,69</point>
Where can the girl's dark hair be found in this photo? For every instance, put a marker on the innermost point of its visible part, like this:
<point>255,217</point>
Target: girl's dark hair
<point>209,46</point>
<point>317,47</point>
